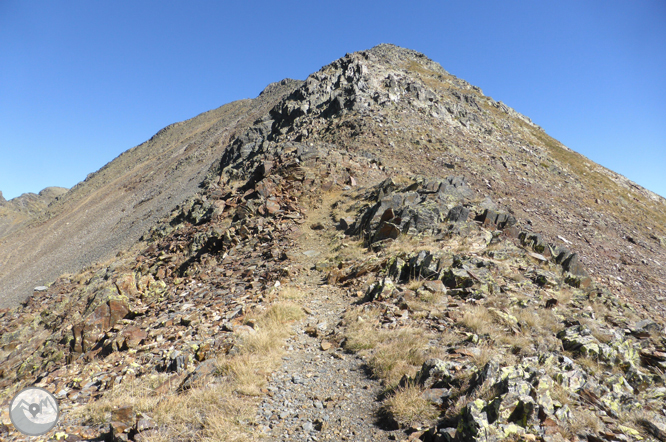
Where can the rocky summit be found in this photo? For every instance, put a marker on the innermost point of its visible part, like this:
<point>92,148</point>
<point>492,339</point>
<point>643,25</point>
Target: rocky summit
<point>378,253</point>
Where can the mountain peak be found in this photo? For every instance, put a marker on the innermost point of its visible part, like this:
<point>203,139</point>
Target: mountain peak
<point>493,282</point>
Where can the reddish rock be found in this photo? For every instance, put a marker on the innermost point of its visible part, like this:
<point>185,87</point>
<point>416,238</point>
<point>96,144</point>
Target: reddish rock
<point>118,309</point>
<point>122,421</point>
<point>127,285</point>
<point>387,215</point>
<point>123,414</point>
<point>92,328</point>
<point>272,207</point>
<point>133,336</point>
<point>386,231</point>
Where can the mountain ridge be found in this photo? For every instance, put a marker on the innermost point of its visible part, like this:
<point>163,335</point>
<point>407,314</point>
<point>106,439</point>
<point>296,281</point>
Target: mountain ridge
<point>381,252</point>
<point>114,186</point>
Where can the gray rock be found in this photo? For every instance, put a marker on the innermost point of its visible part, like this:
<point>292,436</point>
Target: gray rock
<point>573,265</point>
<point>435,373</point>
<point>535,241</point>
<point>579,339</point>
<point>458,214</point>
<point>500,220</point>
<point>473,425</point>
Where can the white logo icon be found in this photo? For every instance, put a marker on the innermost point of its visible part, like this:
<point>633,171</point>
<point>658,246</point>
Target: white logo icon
<point>34,411</point>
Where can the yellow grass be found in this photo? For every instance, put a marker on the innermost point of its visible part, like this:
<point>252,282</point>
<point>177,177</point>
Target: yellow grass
<point>220,408</point>
<point>409,409</point>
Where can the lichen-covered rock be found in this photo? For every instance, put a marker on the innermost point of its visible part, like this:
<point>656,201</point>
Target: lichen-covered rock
<point>627,354</point>
<point>380,290</point>
<point>517,409</point>
<point>543,385</point>
<point>436,373</point>
<point>473,424</point>
<point>572,380</point>
<point>579,339</point>
<point>536,242</point>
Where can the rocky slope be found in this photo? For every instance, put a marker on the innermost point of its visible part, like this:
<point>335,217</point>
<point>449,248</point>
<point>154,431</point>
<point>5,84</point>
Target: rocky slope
<point>462,276</point>
<point>113,207</point>
<point>20,211</point>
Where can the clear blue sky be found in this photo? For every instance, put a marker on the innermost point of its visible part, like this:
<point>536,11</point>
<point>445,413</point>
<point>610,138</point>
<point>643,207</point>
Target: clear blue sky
<point>83,81</point>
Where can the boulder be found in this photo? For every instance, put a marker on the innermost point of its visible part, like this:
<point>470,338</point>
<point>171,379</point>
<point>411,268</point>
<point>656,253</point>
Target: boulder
<point>536,242</point>
<point>416,208</point>
<point>494,219</point>
<point>579,339</point>
<point>203,371</point>
<point>132,337</point>
<point>88,332</point>
<point>385,230</point>
<point>573,265</point>
<point>126,285</point>
<point>436,373</point>
<point>458,214</point>
<point>122,421</point>
<point>473,425</point>
<point>380,290</point>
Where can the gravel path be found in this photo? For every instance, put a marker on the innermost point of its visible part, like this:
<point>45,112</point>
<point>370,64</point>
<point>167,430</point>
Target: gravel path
<point>321,393</point>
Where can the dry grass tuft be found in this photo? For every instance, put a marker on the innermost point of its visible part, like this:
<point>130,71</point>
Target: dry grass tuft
<point>528,317</point>
<point>477,319</point>
<point>221,409</point>
<point>542,321</point>
<point>206,414</point>
<point>564,296</point>
<point>485,355</point>
<point>278,315</point>
<point>260,350</point>
<point>458,406</point>
<point>592,366</point>
<point>409,408</point>
<point>401,353</point>
<point>390,353</point>
<point>291,293</point>
<point>415,284</point>
<point>584,421</point>
<point>411,244</point>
